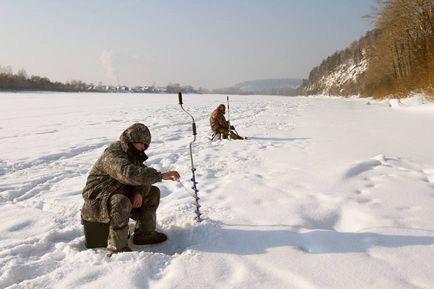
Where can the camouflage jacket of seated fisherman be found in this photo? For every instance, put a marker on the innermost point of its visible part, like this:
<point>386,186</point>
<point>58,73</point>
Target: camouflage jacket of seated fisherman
<point>118,170</point>
<point>218,121</point>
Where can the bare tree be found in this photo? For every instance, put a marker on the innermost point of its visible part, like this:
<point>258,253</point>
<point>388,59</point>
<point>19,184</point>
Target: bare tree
<point>402,57</point>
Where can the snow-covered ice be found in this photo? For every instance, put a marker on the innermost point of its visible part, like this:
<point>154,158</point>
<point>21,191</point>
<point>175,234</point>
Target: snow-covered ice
<point>326,193</point>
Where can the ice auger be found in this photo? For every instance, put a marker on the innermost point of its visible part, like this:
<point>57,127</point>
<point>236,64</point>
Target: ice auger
<point>193,169</point>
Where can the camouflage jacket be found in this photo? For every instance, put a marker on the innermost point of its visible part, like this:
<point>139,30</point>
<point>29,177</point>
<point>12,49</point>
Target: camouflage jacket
<point>218,121</point>
<point>118,169</point>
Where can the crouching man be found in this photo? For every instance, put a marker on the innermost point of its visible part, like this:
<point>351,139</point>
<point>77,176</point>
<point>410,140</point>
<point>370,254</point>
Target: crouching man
<point>120,186</point>
<point>220,126</point>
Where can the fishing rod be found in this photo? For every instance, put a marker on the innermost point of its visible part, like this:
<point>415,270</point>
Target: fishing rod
<point>231,129</point>
<point>193,169</point>
<point>229,119</point>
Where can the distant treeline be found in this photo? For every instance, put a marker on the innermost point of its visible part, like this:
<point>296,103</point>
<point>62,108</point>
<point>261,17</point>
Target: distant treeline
<point>397,57</point>
<point>19,81</point>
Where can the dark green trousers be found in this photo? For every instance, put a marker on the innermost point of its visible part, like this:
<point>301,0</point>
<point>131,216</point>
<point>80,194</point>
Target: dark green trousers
<point>121,210</point>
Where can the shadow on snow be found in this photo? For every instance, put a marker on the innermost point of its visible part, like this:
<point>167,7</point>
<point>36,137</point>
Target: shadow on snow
<point>247,242</point>
<point>277,139</point>
<point>216,239</point>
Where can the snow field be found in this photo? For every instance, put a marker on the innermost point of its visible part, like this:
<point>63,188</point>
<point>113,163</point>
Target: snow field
<point>326,193</point>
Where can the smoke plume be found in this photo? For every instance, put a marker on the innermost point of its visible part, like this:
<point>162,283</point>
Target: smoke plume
<point>106,60</point>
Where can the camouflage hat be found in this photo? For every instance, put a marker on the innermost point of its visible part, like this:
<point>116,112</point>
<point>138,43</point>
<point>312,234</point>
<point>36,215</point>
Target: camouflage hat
<point>138,132</point>
<point>221,108</point>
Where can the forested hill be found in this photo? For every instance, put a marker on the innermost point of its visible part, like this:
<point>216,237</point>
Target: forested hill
<point>397,57</point>
<point>343,73</point>
<point>282,86</point>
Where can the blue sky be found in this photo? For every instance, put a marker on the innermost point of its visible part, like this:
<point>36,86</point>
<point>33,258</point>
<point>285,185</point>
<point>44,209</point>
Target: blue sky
<point>204,43</point>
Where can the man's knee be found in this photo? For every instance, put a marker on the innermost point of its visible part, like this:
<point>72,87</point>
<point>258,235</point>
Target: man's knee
<point>152,198</point>
<point>155,191</point>
<point>120,208</point>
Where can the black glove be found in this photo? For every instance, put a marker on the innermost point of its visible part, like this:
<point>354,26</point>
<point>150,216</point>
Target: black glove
<point>232,127</point>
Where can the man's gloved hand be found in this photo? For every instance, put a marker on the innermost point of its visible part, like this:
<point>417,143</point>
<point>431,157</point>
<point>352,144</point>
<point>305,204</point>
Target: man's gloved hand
<point>232,127</point>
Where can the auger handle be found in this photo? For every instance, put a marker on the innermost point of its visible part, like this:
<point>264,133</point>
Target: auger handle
<point>194,128</point>
<point>192,118</point>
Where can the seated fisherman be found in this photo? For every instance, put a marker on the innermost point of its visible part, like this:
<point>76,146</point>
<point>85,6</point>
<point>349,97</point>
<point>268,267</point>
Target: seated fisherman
<point>220,126</point>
